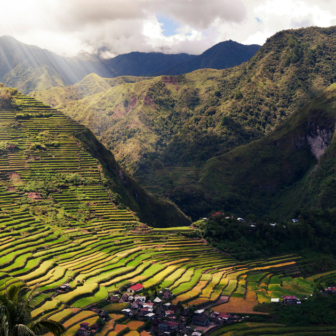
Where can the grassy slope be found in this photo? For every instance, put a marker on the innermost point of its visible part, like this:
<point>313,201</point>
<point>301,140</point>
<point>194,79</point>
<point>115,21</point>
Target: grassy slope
<point>156,125</point>
<point>275,174</point>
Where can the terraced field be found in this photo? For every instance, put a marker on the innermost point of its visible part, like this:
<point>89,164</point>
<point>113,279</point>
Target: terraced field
<point>59,223</point>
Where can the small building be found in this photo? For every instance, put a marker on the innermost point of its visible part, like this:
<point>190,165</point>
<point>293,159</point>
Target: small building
<point>135,288</point>
<point>199,312</point>
<point>225,316</point>
<point>167,326</point>
<point>150,316</point>
<point>126,311</point>
<point>169,312</point>
<point>140,298</point>
<point>196,333</point>
<point>135,305</point>
<point>294,220</point>
<point>157,300</point>
<point>240,219</point>
<point>167,305</point>
<point>82,332</point>
<point>166,295</point>
<point>275,300</point>
<point>84,325</point>
<point>130,298</point>
<point>273,224</point>
<point>201,320</point>
<point>290,300</point>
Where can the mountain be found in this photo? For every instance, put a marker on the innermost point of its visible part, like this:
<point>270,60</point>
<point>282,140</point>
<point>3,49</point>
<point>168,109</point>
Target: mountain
<point>163,130</point>
<point>30,68</point>
<point>40,148</point>
<point>288,170</point>
<point>143,64</point>
<point>221,56</point>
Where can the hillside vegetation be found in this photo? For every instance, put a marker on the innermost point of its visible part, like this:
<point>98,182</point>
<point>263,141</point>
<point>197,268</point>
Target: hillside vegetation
<point>288,170</point>
<point>163,130</point>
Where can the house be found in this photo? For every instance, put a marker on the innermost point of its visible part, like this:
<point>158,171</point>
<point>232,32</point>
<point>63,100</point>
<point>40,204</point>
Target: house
<point>253,226</point>
<point>115,298</point>
<point>166,295</point>
<point>124,298</point>
<point>157,300</point>
<point>95,327</point>
<point>126,311</point>
<point>330,290</point>
<point>225,317</point>
<point>140,298</point>
<point>240,219</point>
<point>148,305</point>
<point>294,220</point>
<point>84,325</point>
<point>82,332</point>
<point>170,312</point>
<point>135,288</point>
<point>170,325</point>
<point>273,224</point>
<point>290,300</point>
<point>199,312</point>
<point>201,320</point>
<point>167,305</point>
<point>135,304</point>
<point>196,333</point>
<point>150,316</point>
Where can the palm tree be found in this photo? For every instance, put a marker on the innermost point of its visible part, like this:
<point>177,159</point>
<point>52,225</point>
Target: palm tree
<point>15,314</point>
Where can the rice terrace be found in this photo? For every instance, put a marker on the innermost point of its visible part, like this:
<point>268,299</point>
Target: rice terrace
<point>65,235</point>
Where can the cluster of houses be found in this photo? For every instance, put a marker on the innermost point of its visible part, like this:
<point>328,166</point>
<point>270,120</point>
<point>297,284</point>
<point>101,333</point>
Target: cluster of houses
<point>330,290</point>
<point>165,317</point>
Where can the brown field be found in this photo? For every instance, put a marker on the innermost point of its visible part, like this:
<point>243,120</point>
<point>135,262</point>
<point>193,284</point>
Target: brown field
<point>237,305</point>
<point>135,325</point>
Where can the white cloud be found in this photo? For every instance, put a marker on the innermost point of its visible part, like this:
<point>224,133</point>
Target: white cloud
<point>113,27</point>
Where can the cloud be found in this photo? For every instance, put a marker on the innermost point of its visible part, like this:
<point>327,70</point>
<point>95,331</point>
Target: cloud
<point>112,27</point>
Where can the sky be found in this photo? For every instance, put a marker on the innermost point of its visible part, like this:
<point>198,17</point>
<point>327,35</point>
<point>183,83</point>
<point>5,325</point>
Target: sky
<point>112,27</point>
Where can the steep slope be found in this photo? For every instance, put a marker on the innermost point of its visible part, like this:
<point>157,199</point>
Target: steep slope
<point>46,153</point>
<point>288,170</point>
<point>221,56</point>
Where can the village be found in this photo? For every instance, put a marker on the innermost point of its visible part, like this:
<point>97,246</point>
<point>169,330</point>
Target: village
<point>161,317</point>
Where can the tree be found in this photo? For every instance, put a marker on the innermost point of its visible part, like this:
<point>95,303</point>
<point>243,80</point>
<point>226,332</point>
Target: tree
<point>15,315</point>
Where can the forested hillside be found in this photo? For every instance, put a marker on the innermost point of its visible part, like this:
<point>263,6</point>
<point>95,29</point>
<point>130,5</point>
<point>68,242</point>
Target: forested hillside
<point>287,171</point>
<point>164,130</point>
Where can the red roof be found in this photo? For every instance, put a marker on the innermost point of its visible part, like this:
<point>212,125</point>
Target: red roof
<point>290,297</point>
<point>137,287</point>
<point>224,315</point>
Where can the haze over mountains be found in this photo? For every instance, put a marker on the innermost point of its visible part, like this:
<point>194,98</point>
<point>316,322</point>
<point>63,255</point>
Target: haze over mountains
<point>30,68</point>
<point>165,129</point>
